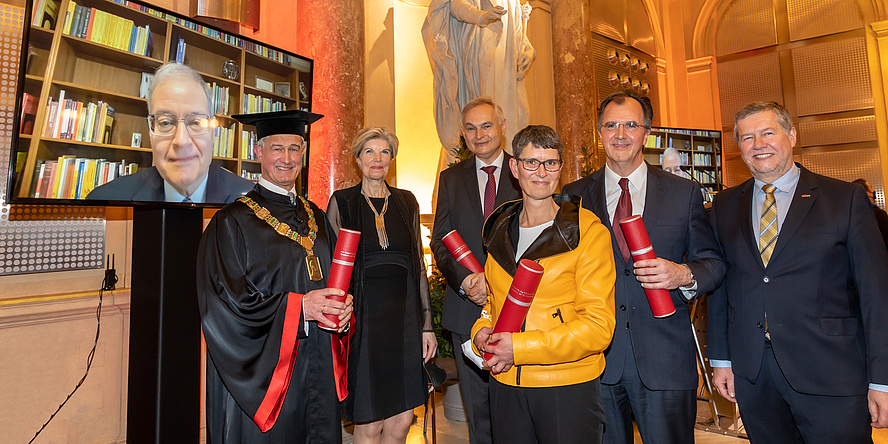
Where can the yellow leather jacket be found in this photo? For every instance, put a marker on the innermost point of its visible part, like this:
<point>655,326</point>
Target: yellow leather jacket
<point>571,320</point>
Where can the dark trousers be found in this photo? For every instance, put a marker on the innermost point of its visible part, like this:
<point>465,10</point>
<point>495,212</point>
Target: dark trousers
<point>775,413</point>
<point>473,388</point>
<point>663,416</point>
<point>550,415</point>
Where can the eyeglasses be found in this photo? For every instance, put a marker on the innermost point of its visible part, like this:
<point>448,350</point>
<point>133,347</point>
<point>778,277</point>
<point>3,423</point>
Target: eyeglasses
<point>629,127</point>
<point>166,124</point>
<point>531,164</point>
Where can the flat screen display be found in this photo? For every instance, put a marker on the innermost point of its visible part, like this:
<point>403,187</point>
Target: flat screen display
<point>81,129</point>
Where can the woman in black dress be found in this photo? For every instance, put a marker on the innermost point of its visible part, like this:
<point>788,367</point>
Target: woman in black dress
<point>393,333</point>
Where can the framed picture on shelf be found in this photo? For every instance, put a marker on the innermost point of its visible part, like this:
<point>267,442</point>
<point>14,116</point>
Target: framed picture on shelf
<point>282,89</point>
<point>264,84</point>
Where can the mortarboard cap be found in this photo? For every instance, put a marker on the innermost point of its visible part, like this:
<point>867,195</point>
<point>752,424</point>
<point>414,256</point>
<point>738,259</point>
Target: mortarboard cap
<point>278,122</point>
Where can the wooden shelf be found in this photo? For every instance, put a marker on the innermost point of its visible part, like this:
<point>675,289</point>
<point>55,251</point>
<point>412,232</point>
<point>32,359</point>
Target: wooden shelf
<point>85,47</point>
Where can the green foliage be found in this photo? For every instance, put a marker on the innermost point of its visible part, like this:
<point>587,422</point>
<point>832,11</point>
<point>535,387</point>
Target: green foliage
<point>588,164</point>
<point>461,153</point>
<point>437,290</point>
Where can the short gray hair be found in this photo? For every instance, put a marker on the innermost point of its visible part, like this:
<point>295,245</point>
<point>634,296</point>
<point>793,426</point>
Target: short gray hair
<point>172,69</point>
<point>783,116</point>
<point>483,100</point>
<point>373,133</point>
<point>538,136</point>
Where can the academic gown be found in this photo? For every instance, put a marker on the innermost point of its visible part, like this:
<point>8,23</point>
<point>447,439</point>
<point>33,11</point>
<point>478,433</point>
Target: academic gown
<point>267,380</point>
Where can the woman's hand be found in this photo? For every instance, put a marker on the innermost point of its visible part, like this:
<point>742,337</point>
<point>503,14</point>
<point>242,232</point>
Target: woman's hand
<point>429,345</point>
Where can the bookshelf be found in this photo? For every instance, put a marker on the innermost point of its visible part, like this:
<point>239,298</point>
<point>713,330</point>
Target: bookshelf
<point>85,73</point>
<point>700,152</point>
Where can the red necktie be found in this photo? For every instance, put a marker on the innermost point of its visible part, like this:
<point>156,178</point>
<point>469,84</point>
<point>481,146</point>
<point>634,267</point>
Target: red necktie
<point>489,190</point>
<point>624,210</point>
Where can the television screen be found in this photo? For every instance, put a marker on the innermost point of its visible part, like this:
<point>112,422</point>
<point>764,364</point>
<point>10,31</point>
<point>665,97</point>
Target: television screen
<point>84,134</point>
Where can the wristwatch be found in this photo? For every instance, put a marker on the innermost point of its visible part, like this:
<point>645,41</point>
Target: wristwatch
<point>693,279</point>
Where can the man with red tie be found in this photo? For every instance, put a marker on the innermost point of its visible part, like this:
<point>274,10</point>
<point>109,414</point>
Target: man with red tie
<point>467,193</point>
<point>651,368</point>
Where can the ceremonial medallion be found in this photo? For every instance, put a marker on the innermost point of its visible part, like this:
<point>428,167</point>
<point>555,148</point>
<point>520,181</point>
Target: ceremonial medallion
<point>314,267</point>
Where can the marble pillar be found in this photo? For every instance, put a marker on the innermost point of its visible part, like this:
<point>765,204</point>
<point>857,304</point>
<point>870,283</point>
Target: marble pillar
<point>332,34</point>
<point>575,102</point>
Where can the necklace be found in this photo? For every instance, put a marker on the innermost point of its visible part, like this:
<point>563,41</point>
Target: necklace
<point>380,220</point>
<point>307,242</point>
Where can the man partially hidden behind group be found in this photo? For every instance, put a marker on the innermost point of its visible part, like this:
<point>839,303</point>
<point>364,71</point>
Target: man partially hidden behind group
<point>272,374</point>
<point>797,333</point>
<point>180,125</point>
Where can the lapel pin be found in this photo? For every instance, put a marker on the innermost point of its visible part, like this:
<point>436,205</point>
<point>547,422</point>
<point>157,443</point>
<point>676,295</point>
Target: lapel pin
<point>806,195</point>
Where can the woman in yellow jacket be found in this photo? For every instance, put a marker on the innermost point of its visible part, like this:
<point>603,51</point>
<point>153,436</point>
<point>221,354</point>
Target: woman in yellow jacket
<point>545,386</point>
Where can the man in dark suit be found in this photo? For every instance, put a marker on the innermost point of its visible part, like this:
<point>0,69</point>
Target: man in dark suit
<point>651,367</point>
<point>467,193</point>
<point>797,331</point>
<point>182,154</point>
<point>222,186</point>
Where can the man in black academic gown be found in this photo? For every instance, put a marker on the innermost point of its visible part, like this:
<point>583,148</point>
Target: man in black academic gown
<point>272,374</point>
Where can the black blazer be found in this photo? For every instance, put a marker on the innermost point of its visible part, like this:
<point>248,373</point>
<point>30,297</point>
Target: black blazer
<point>680,232</point>
<point>824,289</point>
<point>459,208</point>
<point>147,186</point>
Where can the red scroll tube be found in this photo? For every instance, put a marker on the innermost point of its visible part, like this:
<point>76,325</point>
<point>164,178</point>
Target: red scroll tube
<point>640,246</point>
<point>460,251</point>
<point>524,287</point>
<point>343,262</point>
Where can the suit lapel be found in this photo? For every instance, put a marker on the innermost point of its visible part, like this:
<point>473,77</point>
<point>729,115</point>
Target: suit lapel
<point>470,187</point>
<point>598,198</point>
<point>798,209</point>
<point>745,214</point>
<point>152,188</point>
<point>653,199</point>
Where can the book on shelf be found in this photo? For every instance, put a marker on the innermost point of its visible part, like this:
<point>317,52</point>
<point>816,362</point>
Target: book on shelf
<point>258,104</point>
<point>45,13</point>
<point>98,26</point>
<point>71,177</point>
<point>248,140</point>
<point>29,114</point>
<point>251,175</point>
<point>221,98</point>
<point>223,141</point>
<point>83,122</point>
<point>146,82</point>
<point>180,51</point>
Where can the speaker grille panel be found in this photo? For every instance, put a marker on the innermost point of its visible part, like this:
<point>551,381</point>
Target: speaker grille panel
<point>832,77</point>
<point>746,24</point>
<point>815,18</point>
<point>38,238</point>
<point>608,19</point>
<point>748,80</point>
<point>848,166</point>
<point>832,132</point>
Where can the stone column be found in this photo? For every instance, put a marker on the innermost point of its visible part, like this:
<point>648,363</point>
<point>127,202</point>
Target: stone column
<point>332,34</point>
<point>575,101</point>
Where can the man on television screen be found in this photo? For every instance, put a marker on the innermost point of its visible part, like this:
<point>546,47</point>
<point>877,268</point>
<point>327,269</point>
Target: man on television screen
<point>273,374</point>
<point>182,170</point>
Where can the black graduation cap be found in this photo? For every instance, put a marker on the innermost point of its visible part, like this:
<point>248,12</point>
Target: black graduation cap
<point>279,122</point>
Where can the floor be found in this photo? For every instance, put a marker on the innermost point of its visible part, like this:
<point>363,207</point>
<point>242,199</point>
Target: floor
<point>455,432</point>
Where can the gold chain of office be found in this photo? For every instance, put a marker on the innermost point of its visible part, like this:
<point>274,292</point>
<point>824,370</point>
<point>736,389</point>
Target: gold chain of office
<point>283,229</point>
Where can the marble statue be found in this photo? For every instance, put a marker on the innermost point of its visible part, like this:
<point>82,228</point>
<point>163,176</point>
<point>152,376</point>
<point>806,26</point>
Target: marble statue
<point>477,48</point>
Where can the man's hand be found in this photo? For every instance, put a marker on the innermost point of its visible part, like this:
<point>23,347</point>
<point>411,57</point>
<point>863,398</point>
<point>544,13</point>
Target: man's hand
<point>662,274</point>
<point>475,288</point>
<point>723,380</point>
<point>315,305</point>
<point>878,407</point>
<point>480,339</point>
<point>500,345</point>
<point>429,345</point>
<point>491,15</point>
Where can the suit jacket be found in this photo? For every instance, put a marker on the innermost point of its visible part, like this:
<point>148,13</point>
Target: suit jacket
<point>147,186</point>
<point>823,289</point>
<point>680,232</point>
<point>459,208</point>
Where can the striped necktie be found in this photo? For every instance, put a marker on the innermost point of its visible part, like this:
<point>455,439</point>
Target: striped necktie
<point>768,224</point>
